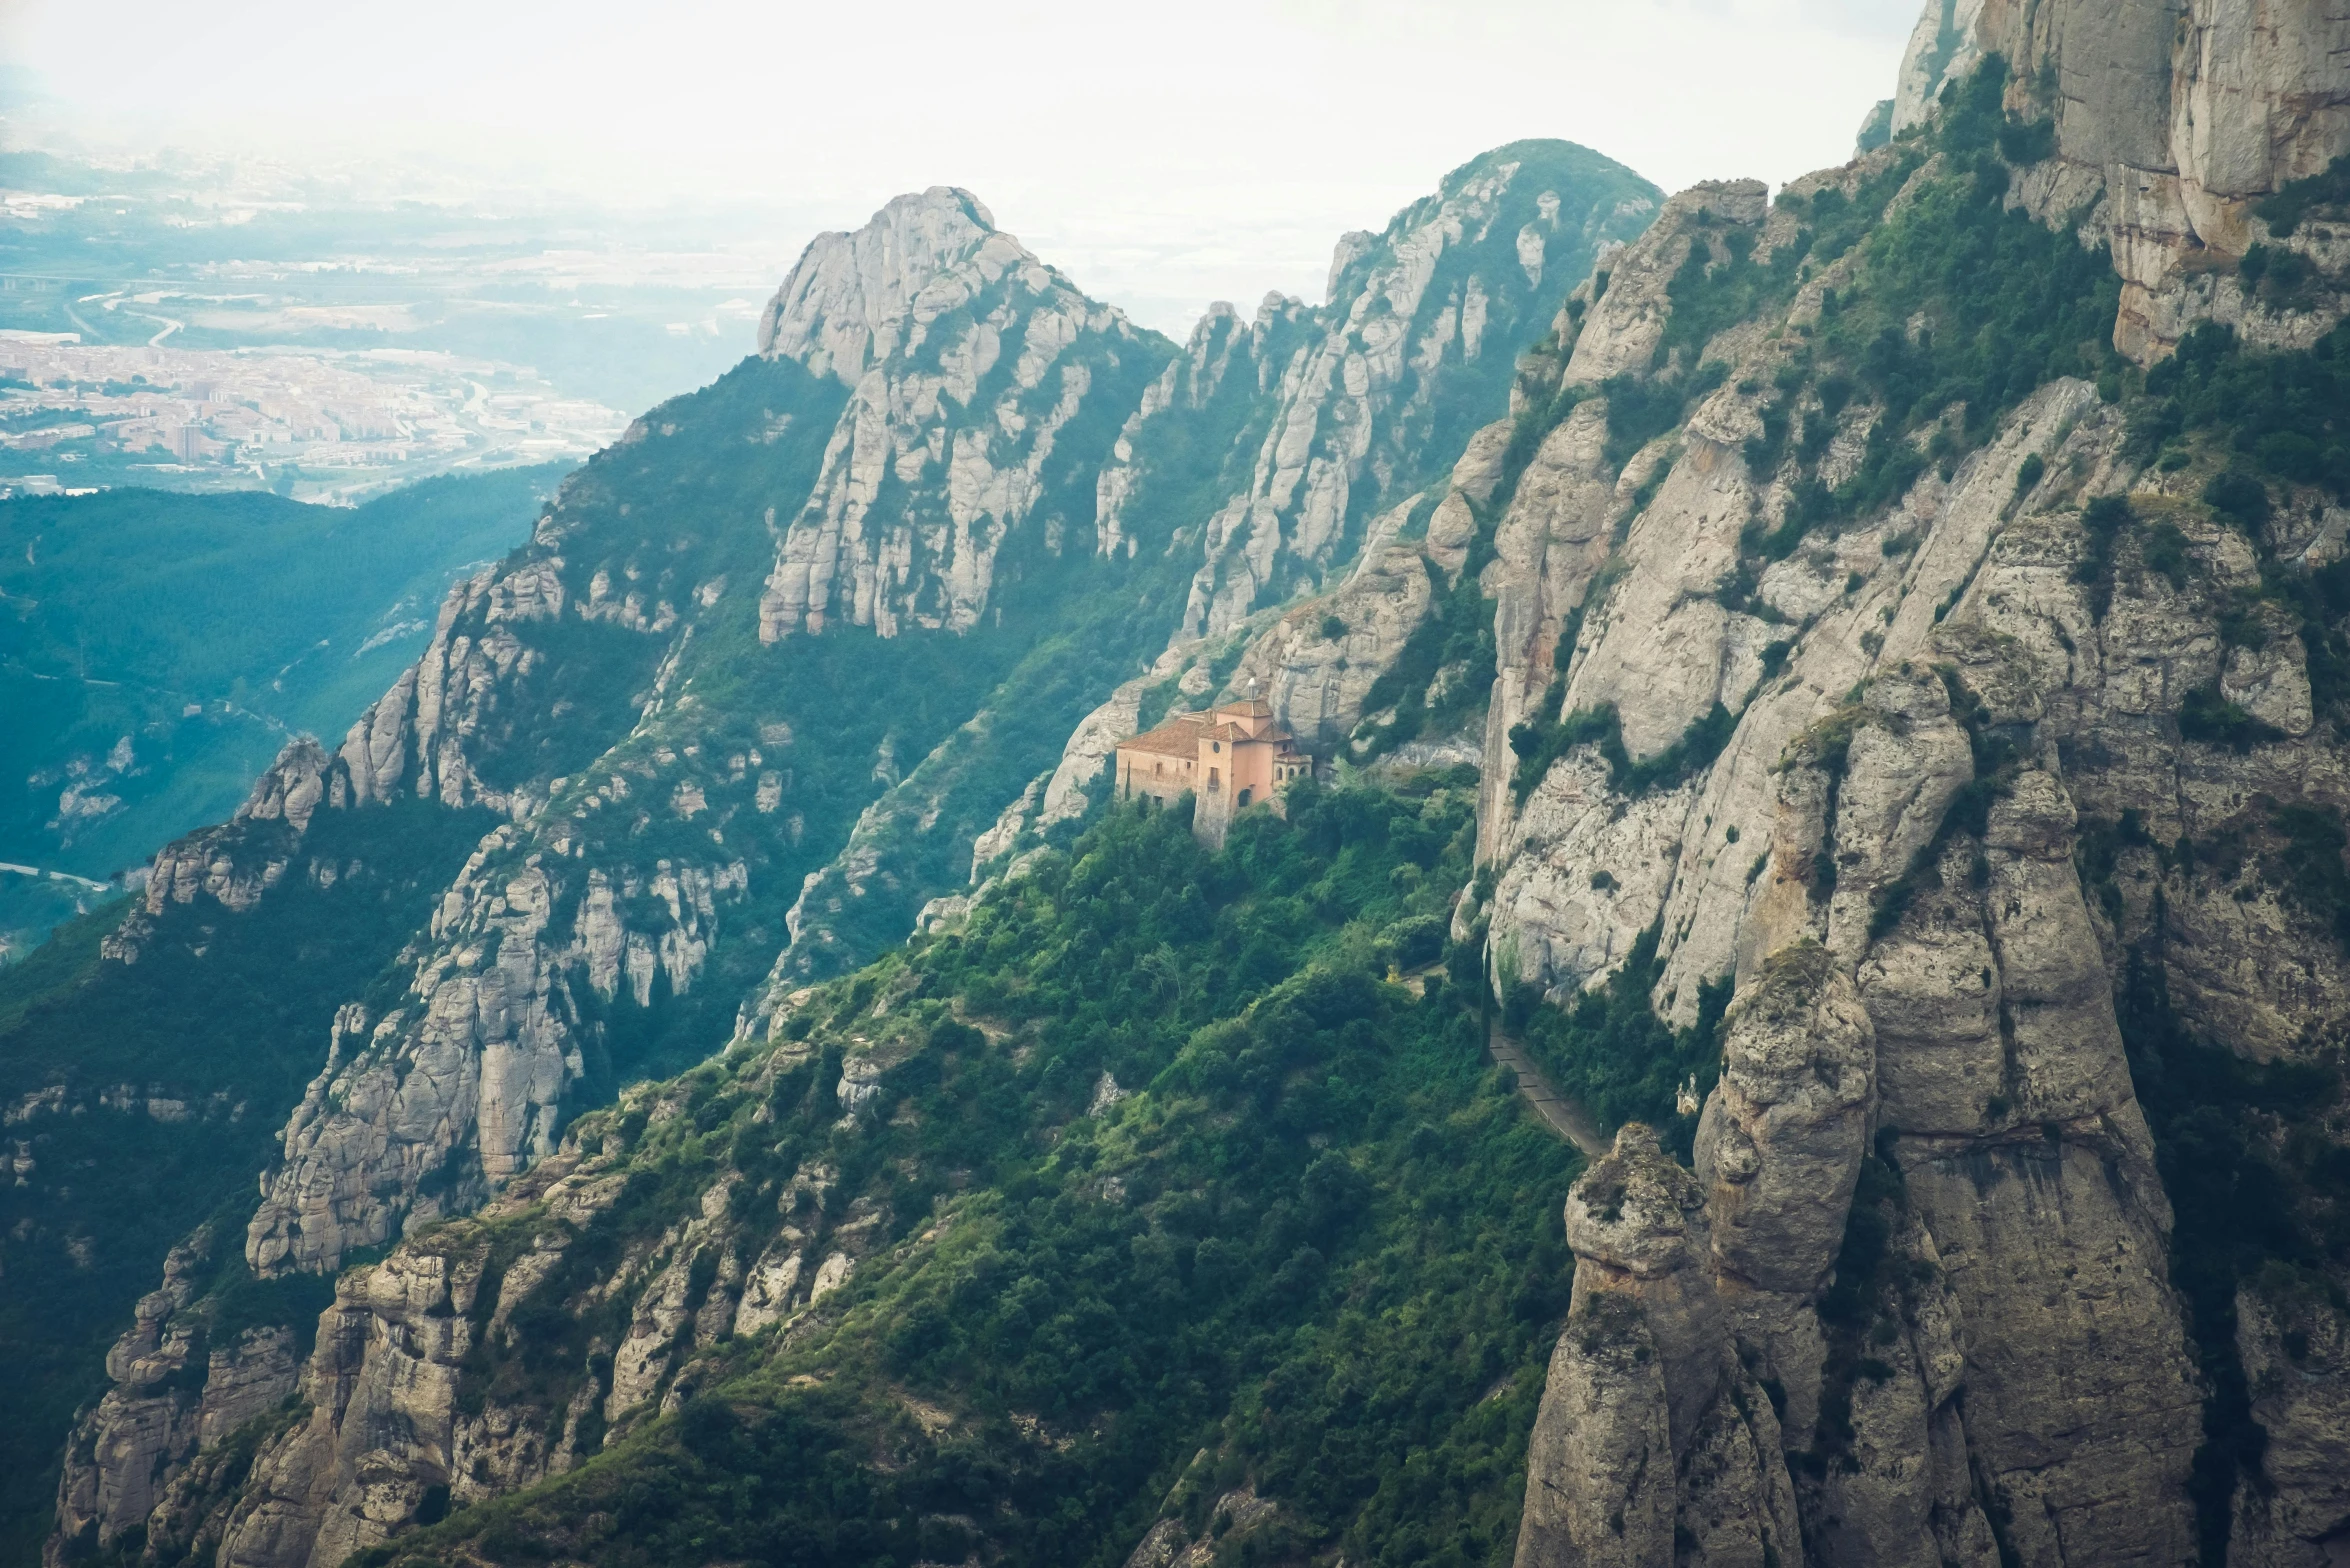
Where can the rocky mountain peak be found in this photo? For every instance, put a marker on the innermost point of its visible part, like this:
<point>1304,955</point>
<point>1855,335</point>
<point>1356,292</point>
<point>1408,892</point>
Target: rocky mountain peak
<point>1369,397</point>
<point>967,357</point>
<point>846,303</point>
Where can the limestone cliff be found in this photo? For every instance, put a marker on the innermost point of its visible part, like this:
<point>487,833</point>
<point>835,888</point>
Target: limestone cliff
<point>1864,776</point>
<point>2170,121</point>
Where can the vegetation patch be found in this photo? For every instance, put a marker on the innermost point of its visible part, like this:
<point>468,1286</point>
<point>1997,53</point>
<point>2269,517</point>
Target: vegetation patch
<point>2209,718</point>
<point>1541,742</point>
<point>2281,417</point>
<point>2284,210</point>
<point>1314,1252</point>
<point>1610,1050</point>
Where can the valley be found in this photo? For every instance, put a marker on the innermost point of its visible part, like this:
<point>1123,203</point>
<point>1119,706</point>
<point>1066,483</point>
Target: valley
<point>158,650</point>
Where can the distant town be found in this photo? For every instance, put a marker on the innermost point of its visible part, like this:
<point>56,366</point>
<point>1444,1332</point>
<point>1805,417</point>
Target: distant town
<point>216,324</point>
<point>316,424</point>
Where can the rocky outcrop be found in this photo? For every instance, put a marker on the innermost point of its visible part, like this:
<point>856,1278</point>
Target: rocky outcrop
<point>1779,1151</point>
<point>424,736</point>
<point>1586,874</point>
<point>1583,869</point>
<point>2172,119</point>
<point>1880,849</point>
<point>175,1394</point>
<point>482,1054</point>
<point>2079,1450</point>
<point>1318,663</point>
<point>386,1439</point>
<point>2296,1361</point>
<point>1413,316</point>
<point>1236,1517</point>
<point>394,1425</point>
<point>1653,1444</point>
<point>232,866</point>
<point>1974,992</point>
<point>428,1108</point>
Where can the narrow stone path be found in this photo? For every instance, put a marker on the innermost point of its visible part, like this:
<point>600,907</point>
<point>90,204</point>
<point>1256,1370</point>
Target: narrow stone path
<point>1566,1117</point>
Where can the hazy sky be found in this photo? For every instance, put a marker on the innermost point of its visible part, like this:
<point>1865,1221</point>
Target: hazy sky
<point>1163,154</point>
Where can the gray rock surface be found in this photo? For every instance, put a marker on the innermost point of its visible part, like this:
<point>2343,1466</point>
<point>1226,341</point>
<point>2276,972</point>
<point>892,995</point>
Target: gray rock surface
<point>2172,117</point>
<point>914,312</point>
<point>1409,309</point>
<point>1783,1136</point>
<point>1650,1432</point>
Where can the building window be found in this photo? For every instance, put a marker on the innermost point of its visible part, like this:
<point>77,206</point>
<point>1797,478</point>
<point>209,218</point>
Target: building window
<point>1242,798</point>
<point>1214,781</point>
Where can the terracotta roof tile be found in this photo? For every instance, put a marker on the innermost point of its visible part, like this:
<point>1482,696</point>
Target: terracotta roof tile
<point>1168,740</point>
<point>1181,734</point>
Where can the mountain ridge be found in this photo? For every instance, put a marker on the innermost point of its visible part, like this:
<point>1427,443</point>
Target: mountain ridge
<point>1905,805</point>
<point>661,813</point>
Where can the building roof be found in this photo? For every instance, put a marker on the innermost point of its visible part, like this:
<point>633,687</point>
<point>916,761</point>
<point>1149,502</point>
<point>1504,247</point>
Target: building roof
<point>1249,707</point>
<point>1174,740</point>
<point>1181,734</point>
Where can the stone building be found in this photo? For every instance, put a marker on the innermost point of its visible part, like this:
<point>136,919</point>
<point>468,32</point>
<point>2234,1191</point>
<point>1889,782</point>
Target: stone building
<point>1227,759</point>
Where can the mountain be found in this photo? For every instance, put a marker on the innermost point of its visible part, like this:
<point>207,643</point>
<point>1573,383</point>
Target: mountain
<point>1847,688</point>
<point>755,693</point>
<point>160,649</point>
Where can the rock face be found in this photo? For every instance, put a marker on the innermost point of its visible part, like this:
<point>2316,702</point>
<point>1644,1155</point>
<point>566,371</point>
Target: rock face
<point>1781,1145</point>
<point>1925,1192</point>
<point>2174,118</point>
<point>173,1396</point>
<point>1416,314</point>
<point>385,1437</point>
<point>2080,1449</point>
<point>232,866</point>
<point>383,1433</point>
<point>477,1059</point>
<point>1653,1444</point>
<point>1318,663</point>
<point>965,357</point>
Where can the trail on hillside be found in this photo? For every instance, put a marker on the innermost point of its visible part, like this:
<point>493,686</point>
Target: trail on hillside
<point>1564,1116</point>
